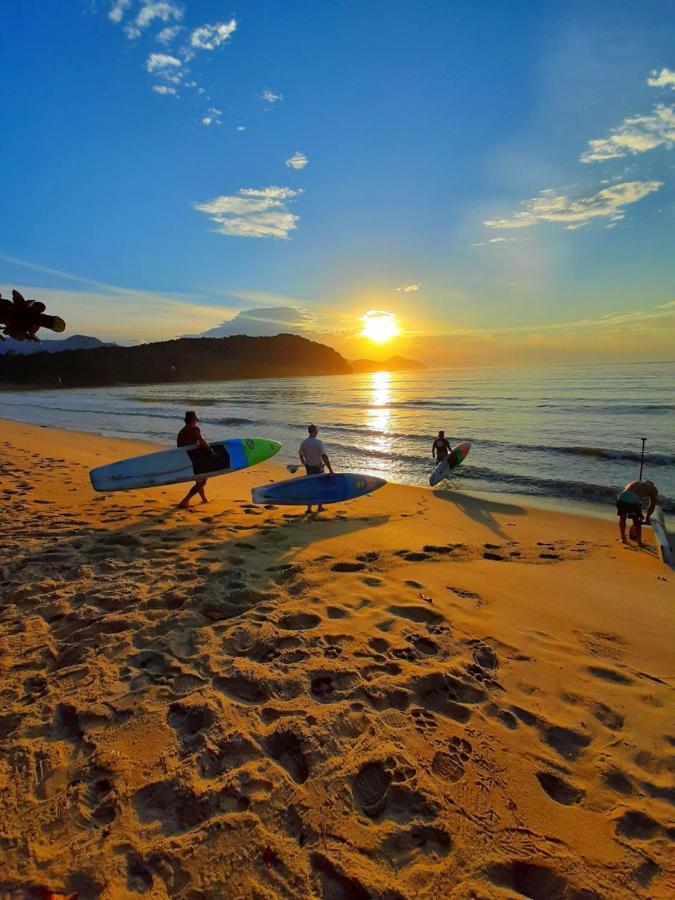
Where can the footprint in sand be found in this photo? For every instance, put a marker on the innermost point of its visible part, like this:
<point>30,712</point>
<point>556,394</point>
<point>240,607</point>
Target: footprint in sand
<point>558,789</point>
<point>286,748</point>
<point>451,766</point>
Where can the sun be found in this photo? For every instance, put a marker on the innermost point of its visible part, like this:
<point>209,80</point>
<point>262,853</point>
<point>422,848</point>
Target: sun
<point>379,326</point>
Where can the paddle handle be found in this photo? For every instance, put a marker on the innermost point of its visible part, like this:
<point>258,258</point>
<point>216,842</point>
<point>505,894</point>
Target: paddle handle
<point>642,457</point>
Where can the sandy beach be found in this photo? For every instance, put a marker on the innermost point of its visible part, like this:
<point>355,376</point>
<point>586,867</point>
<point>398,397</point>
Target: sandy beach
<point>417,694</point>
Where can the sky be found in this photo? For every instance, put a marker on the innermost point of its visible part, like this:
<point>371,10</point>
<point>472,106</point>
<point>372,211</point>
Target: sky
<point>493,181</point>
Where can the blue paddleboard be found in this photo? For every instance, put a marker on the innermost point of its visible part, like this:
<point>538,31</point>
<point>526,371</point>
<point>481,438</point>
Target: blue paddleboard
<point>315,489</point>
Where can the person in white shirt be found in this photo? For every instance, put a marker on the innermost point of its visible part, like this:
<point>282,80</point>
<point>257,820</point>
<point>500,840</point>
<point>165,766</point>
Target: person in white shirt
<point>314,458</point>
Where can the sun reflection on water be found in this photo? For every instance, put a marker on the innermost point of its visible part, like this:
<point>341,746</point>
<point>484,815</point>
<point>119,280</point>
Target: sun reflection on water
<point>379,412</point>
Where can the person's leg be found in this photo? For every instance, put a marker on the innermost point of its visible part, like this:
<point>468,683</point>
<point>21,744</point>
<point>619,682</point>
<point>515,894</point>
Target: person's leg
<point>637,525</point>
<point>200,485</point>
<point>194,490</point>
<point>622,526</point>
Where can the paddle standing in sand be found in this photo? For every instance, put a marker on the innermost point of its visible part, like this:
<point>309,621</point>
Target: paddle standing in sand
<point>313,457</point>
<point>189,435</point>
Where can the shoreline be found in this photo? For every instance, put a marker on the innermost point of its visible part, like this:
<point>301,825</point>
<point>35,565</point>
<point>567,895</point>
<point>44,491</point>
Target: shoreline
<point>416,695</point>
<point>535,501</point>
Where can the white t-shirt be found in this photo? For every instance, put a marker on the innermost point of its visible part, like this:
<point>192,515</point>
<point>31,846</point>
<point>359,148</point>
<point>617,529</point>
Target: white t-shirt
<point>312,451</point>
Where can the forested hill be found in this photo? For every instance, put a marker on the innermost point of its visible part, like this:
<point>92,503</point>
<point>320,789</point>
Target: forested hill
<point>186,359</point>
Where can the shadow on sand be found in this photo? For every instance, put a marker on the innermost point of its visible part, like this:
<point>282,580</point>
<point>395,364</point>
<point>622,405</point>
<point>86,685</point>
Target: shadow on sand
<point>482,510</point>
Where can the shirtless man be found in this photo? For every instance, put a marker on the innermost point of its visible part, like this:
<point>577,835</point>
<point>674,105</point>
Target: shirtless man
<point>189,435</point>
<point>440,448</point>
<point>629,504</point>
<point>313,457</point>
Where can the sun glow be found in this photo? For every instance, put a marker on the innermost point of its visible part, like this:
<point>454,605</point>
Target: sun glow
<point>379,326</point>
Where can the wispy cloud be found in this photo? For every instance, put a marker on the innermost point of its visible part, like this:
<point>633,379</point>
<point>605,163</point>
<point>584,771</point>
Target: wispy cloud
<point>168,35</point>
<point>549,206</point>
<point>409,288</point>
<point>297,161</point>
<point>664,78</point>
<point>210,37</point>
<point>636,134</point>
<point>117,10</point>
<point>270,97</point>
<point>212,116</point>
<point>167,69</point>
<point>165,90</point>
<point>112,312</point>
<point>162,11</point>
<point>253,212</point>
<point>499,240</point>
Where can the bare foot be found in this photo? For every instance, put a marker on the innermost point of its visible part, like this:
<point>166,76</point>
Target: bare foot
<point>183,504</point>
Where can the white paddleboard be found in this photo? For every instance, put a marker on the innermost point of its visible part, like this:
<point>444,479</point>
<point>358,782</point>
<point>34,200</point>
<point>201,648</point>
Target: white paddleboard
<point>182,464</point>
<point>457,455</point>
<point>658,526</point>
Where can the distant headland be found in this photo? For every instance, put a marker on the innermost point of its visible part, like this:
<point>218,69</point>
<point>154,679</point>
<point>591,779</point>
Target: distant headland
<point>393,364</point>
<point>185,359</point>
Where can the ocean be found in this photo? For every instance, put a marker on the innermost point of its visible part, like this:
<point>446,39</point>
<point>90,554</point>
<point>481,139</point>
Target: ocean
<point>562,432</point>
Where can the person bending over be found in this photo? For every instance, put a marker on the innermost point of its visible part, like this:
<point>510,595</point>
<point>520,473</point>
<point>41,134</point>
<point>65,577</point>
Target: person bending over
<point>313,457</point>
<point>189,436</point>
<point>629,506</point>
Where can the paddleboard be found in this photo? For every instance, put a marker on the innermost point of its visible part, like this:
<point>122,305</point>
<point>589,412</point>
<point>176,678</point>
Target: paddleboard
<point>457,455</point>
<point>310,490</point>
<point>658,526</point>
<point>182,464</point>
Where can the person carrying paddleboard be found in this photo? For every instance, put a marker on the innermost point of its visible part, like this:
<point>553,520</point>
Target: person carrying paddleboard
<point>189,435</point>
<point>313,457</point>
<point>440,449</point>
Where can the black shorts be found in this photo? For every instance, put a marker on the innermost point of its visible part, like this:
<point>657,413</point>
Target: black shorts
<point>629,510</point>
<point>314,470</point>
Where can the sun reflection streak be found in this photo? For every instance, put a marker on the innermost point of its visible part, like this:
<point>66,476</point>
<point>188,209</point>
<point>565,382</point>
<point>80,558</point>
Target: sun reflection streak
<point>379,412</point>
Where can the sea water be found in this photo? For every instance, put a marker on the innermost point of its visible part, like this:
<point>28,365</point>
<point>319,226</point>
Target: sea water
<point>570,432</point>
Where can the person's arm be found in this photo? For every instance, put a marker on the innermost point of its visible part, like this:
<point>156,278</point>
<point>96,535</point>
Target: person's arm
<point>433,451</point>
<point>652,505</point>
<point>204,444</point>
<point>324,457</point>
<point>301,455</point>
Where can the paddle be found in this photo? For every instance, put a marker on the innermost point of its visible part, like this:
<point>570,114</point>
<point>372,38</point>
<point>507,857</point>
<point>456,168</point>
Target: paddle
<point>642,457</point>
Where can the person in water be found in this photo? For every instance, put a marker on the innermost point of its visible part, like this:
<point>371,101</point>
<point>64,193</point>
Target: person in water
<point>189,435</point>
<point>440,449</point>
<point>314,458</point>
<point>629,505</point>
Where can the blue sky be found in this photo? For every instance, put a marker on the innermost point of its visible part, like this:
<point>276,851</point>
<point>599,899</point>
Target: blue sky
<point>168,164</point>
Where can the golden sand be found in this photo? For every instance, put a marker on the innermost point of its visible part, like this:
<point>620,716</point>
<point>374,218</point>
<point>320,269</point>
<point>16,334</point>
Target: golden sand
<point>417,695</point>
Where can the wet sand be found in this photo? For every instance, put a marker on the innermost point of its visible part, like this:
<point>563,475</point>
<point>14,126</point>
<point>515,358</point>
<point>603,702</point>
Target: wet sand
<point>417,694</point>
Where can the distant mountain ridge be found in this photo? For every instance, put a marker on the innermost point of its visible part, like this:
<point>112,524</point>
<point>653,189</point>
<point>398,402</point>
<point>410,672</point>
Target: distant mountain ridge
<point>185,359</point>
<point>74,342</point>
<point>393,364</point>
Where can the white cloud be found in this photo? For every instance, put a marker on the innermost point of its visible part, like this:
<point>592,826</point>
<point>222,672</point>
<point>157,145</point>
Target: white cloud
<point>269,96</point>
<point>169,34</point>
<point>212,116</point>
<point>160,62</point>
<point>166,68</point>
<point>209,37</point>
<point>548,206</point>
<point>664,78</point>
<point>636,134</point>
<point>165,90</point>
<point>297,161</point>
<point>117,10</point>
<point>409,288</point>
<point>253,212</point>
<point>241,128</point>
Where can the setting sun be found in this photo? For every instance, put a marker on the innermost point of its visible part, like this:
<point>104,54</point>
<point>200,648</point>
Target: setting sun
<point>379,326</point>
